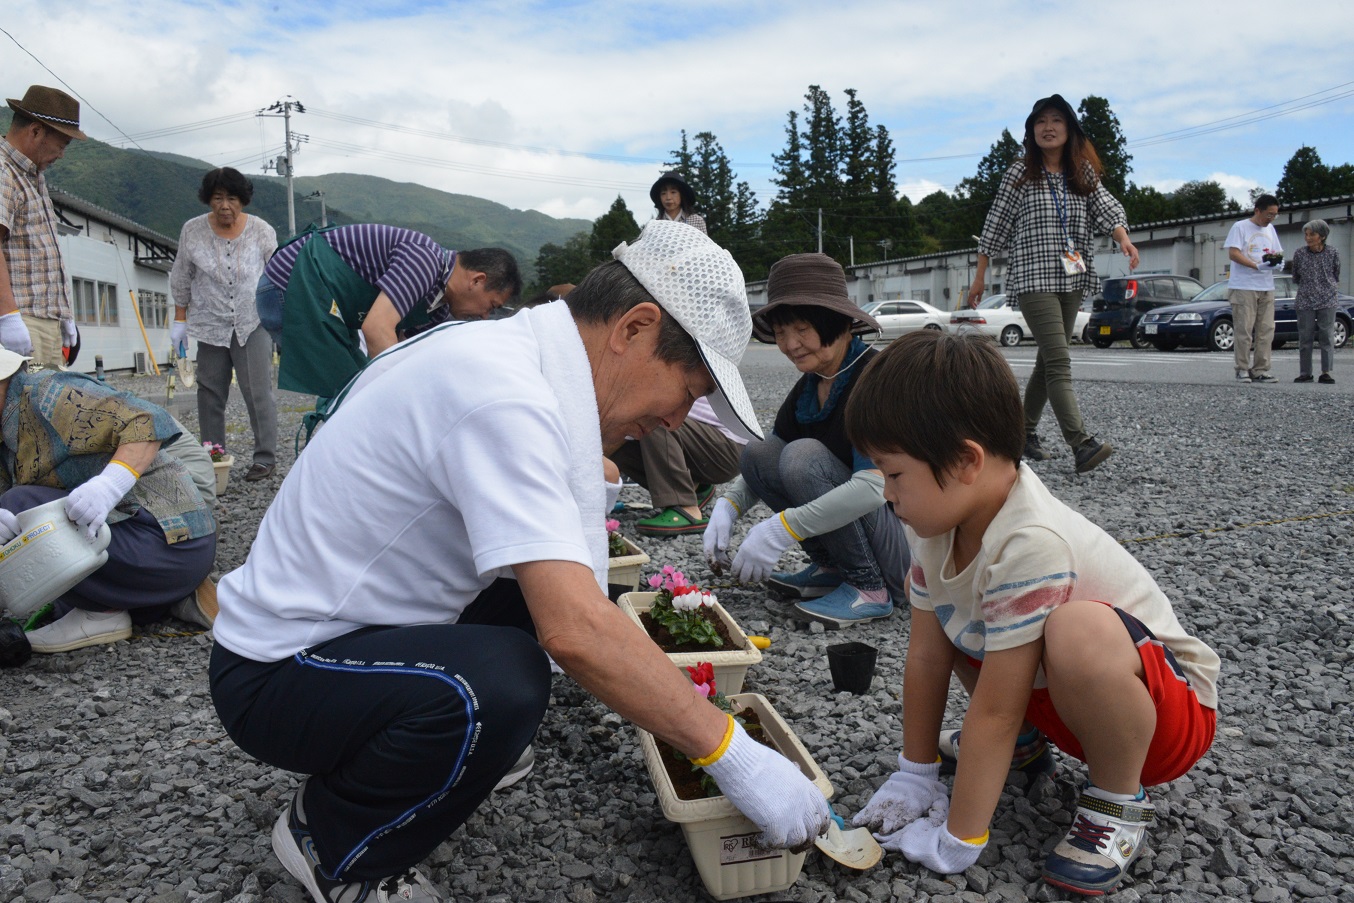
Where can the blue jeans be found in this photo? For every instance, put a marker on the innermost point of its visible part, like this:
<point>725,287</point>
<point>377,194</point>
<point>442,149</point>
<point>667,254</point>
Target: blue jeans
<point>871,551</point>
<point>268,298</point>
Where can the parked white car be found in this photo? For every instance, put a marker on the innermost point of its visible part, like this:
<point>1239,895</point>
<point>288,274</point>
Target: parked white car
<point>898,317</point>
<point>1003,321</point>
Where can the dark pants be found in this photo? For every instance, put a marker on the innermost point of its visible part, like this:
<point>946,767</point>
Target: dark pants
<point>144,574</point>
<point>252,364</point>
<point>405,730</point>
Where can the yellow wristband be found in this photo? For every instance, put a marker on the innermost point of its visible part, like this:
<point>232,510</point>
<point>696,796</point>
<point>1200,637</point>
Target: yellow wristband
<point>720,749</point>
<point>127,466</point>
<point>786,524</point>
<point>979,840</point>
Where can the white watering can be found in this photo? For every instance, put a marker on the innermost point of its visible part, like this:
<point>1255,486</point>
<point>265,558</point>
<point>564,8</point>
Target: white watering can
<point>49,556</point>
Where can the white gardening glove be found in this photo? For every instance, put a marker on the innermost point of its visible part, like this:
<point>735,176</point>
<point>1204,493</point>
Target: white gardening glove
<point>68,334</point>
<point>769,789</point>
<point>9,526</point>
<point>178,334</point>
<point>760,552</point>
<point>932,845</point>
<point>14,334</point>
<point>90,502</point>
<point>718,533</point>
<point>613,492</point>
<point>910,792</point>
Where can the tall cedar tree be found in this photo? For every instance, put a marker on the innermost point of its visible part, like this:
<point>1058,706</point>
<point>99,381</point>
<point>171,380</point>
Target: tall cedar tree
<point>1102,130</point>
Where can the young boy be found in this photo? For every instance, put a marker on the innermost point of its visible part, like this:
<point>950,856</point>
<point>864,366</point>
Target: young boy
<point>1052,627</point>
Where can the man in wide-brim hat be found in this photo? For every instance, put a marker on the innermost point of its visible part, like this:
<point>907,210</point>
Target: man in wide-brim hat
<point>35,306</point>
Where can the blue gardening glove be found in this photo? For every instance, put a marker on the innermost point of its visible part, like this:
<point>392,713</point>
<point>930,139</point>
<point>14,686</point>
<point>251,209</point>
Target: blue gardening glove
<point>14,334</point>
<point>770,790</point>
<point>9,526</point>
<point>90,502</point>
<point>931,844</point>
<point>910,793</point>
<point>760,552</point>
<point>178,333</point>
<point>717,534</point>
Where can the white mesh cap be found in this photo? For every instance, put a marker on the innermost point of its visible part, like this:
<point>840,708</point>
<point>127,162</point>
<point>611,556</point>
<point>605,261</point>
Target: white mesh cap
<point>700,285</point>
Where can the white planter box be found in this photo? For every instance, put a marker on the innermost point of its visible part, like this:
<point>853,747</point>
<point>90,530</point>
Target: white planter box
<point>623,570</point>
<point>222,469</point>
<point>731,667</point>
<point>719,836</point>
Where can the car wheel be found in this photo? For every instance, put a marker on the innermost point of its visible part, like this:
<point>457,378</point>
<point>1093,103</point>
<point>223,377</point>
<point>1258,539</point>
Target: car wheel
<point>1098,342</point>
<point>1221,337</point>
<point>1137,337</point>
<point>1011,335</point>
<point>1339,332</point>
<point>1164,345</point>
<point>933,326</point>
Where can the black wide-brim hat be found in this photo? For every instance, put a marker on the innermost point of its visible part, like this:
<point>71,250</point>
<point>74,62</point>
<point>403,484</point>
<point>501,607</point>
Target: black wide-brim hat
<point>51,107</point>
<point>809,280</point>
<point>1056,101</point>
<point>675,179</point>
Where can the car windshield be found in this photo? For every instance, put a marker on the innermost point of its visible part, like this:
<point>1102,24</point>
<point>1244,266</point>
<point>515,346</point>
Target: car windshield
<point>994,301</point>
<point>872,306</point>
<point>1215,292</point>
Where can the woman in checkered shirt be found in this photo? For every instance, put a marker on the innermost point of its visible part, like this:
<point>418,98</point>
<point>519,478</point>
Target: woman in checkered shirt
<point>1043,220</point>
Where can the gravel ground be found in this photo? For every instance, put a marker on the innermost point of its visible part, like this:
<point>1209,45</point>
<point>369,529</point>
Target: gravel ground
<point>119,784</point>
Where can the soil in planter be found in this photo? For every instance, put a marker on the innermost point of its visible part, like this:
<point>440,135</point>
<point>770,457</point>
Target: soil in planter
<point>659,634</point>
<point>686,778</point>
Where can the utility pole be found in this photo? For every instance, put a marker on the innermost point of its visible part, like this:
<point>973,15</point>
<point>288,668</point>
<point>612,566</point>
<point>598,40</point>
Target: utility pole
<point>324,216</point>
<point>820,230</point>
<point>284,164</point>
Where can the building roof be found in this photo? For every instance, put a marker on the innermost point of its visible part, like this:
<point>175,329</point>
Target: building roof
<point>64,199</point>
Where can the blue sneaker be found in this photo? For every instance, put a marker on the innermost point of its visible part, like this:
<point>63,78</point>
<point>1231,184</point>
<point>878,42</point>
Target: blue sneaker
<point>1032,758</point>
<point>810,583</point>
<point>844,607</point>
<point>1105,839</point>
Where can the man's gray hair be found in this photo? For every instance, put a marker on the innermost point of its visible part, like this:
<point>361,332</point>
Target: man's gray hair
<point>610,290</point>
<point>1318,228</point>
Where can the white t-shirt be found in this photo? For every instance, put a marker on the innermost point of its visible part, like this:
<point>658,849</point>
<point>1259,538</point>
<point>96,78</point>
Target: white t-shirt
<point>1253,241</point>
<point>1037,554</point>
<point>450,466</point>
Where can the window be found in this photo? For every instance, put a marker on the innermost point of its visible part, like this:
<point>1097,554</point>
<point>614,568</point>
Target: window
<point>906,308</point>
<point>154,308</point>
<point>108,304</point>
<point>922,294</point>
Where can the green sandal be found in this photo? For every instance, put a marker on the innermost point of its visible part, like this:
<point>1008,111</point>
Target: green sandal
<point>670,522</point>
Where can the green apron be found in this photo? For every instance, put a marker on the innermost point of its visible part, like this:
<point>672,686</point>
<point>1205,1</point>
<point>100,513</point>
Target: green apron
<point>325,304</point>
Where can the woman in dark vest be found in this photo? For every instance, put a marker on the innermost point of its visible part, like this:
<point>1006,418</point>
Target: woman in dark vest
<point>823,492</point>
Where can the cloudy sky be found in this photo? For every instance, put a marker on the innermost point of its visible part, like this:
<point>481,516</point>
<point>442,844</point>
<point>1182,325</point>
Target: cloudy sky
<point>561,106</point>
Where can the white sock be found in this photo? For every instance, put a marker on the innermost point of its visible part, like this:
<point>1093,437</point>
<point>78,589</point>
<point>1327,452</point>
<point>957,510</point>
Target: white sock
<point>1102,794</point>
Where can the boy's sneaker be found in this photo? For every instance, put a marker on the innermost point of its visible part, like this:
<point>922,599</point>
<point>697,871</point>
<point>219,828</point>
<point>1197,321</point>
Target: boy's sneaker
<point>1032,755</point>
<point>1034,449</point>
<point>1263,378</point>
<point>296,851</point>
<point>1091,454</point>
<point>843,607</point>
<point>811,583</point>
<point>1105,838</point>
<point>1243,376</point>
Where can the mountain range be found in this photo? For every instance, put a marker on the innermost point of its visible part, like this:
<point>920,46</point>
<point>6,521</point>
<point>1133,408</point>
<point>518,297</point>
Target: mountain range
<point>159,191</point>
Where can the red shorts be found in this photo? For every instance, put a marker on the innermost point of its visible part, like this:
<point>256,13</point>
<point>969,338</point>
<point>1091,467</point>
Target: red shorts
<point>1184,726</point>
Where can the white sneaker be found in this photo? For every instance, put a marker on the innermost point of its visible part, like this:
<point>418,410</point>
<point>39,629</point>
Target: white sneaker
<point>520,769</point>
<point>81,628</point>
<point>1105,839</point>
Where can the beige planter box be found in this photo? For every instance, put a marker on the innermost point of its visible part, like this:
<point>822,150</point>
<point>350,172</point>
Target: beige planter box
<point>731,667</point>
<point>719,836</point>
<point>222,469</point>
<point>623,570</point>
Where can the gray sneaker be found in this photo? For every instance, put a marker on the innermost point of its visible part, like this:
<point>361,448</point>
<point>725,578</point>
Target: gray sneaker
<point>520,769</point>
<point>1242,376</point>
<point>1263,378</point>
<point>296,851</point>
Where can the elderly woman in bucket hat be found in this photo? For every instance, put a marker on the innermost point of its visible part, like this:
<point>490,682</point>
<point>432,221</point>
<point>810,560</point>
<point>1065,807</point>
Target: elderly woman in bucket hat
<point>676,200</point>
<point>825,494</point>
<point>1047,208</point>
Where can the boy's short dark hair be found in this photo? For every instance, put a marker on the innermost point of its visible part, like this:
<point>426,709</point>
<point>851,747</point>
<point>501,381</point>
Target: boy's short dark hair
<point>1265,201</point>
<point>928,392</point>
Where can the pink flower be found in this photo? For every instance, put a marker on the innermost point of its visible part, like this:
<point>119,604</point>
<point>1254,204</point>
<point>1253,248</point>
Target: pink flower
<point>612,526</point>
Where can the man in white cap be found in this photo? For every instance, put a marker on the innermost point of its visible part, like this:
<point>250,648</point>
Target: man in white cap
<point>35,307</point>
<point>388,634</point>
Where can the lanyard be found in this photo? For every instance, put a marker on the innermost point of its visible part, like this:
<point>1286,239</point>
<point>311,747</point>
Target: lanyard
<point>1061,204</point>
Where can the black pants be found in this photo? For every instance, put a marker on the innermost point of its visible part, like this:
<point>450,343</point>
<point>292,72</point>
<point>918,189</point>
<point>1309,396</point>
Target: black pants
<point>404,730</point>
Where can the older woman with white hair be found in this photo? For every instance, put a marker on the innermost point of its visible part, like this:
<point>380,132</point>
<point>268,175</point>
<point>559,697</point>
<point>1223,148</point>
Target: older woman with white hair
<point>1316,270</point>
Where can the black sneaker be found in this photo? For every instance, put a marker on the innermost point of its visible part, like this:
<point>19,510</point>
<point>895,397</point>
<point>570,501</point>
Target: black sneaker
<point>1263,378</point>
<point>1326,378</point>
<point>1034,450</point>
<point>295,849</point>
<point>1091,454</point>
